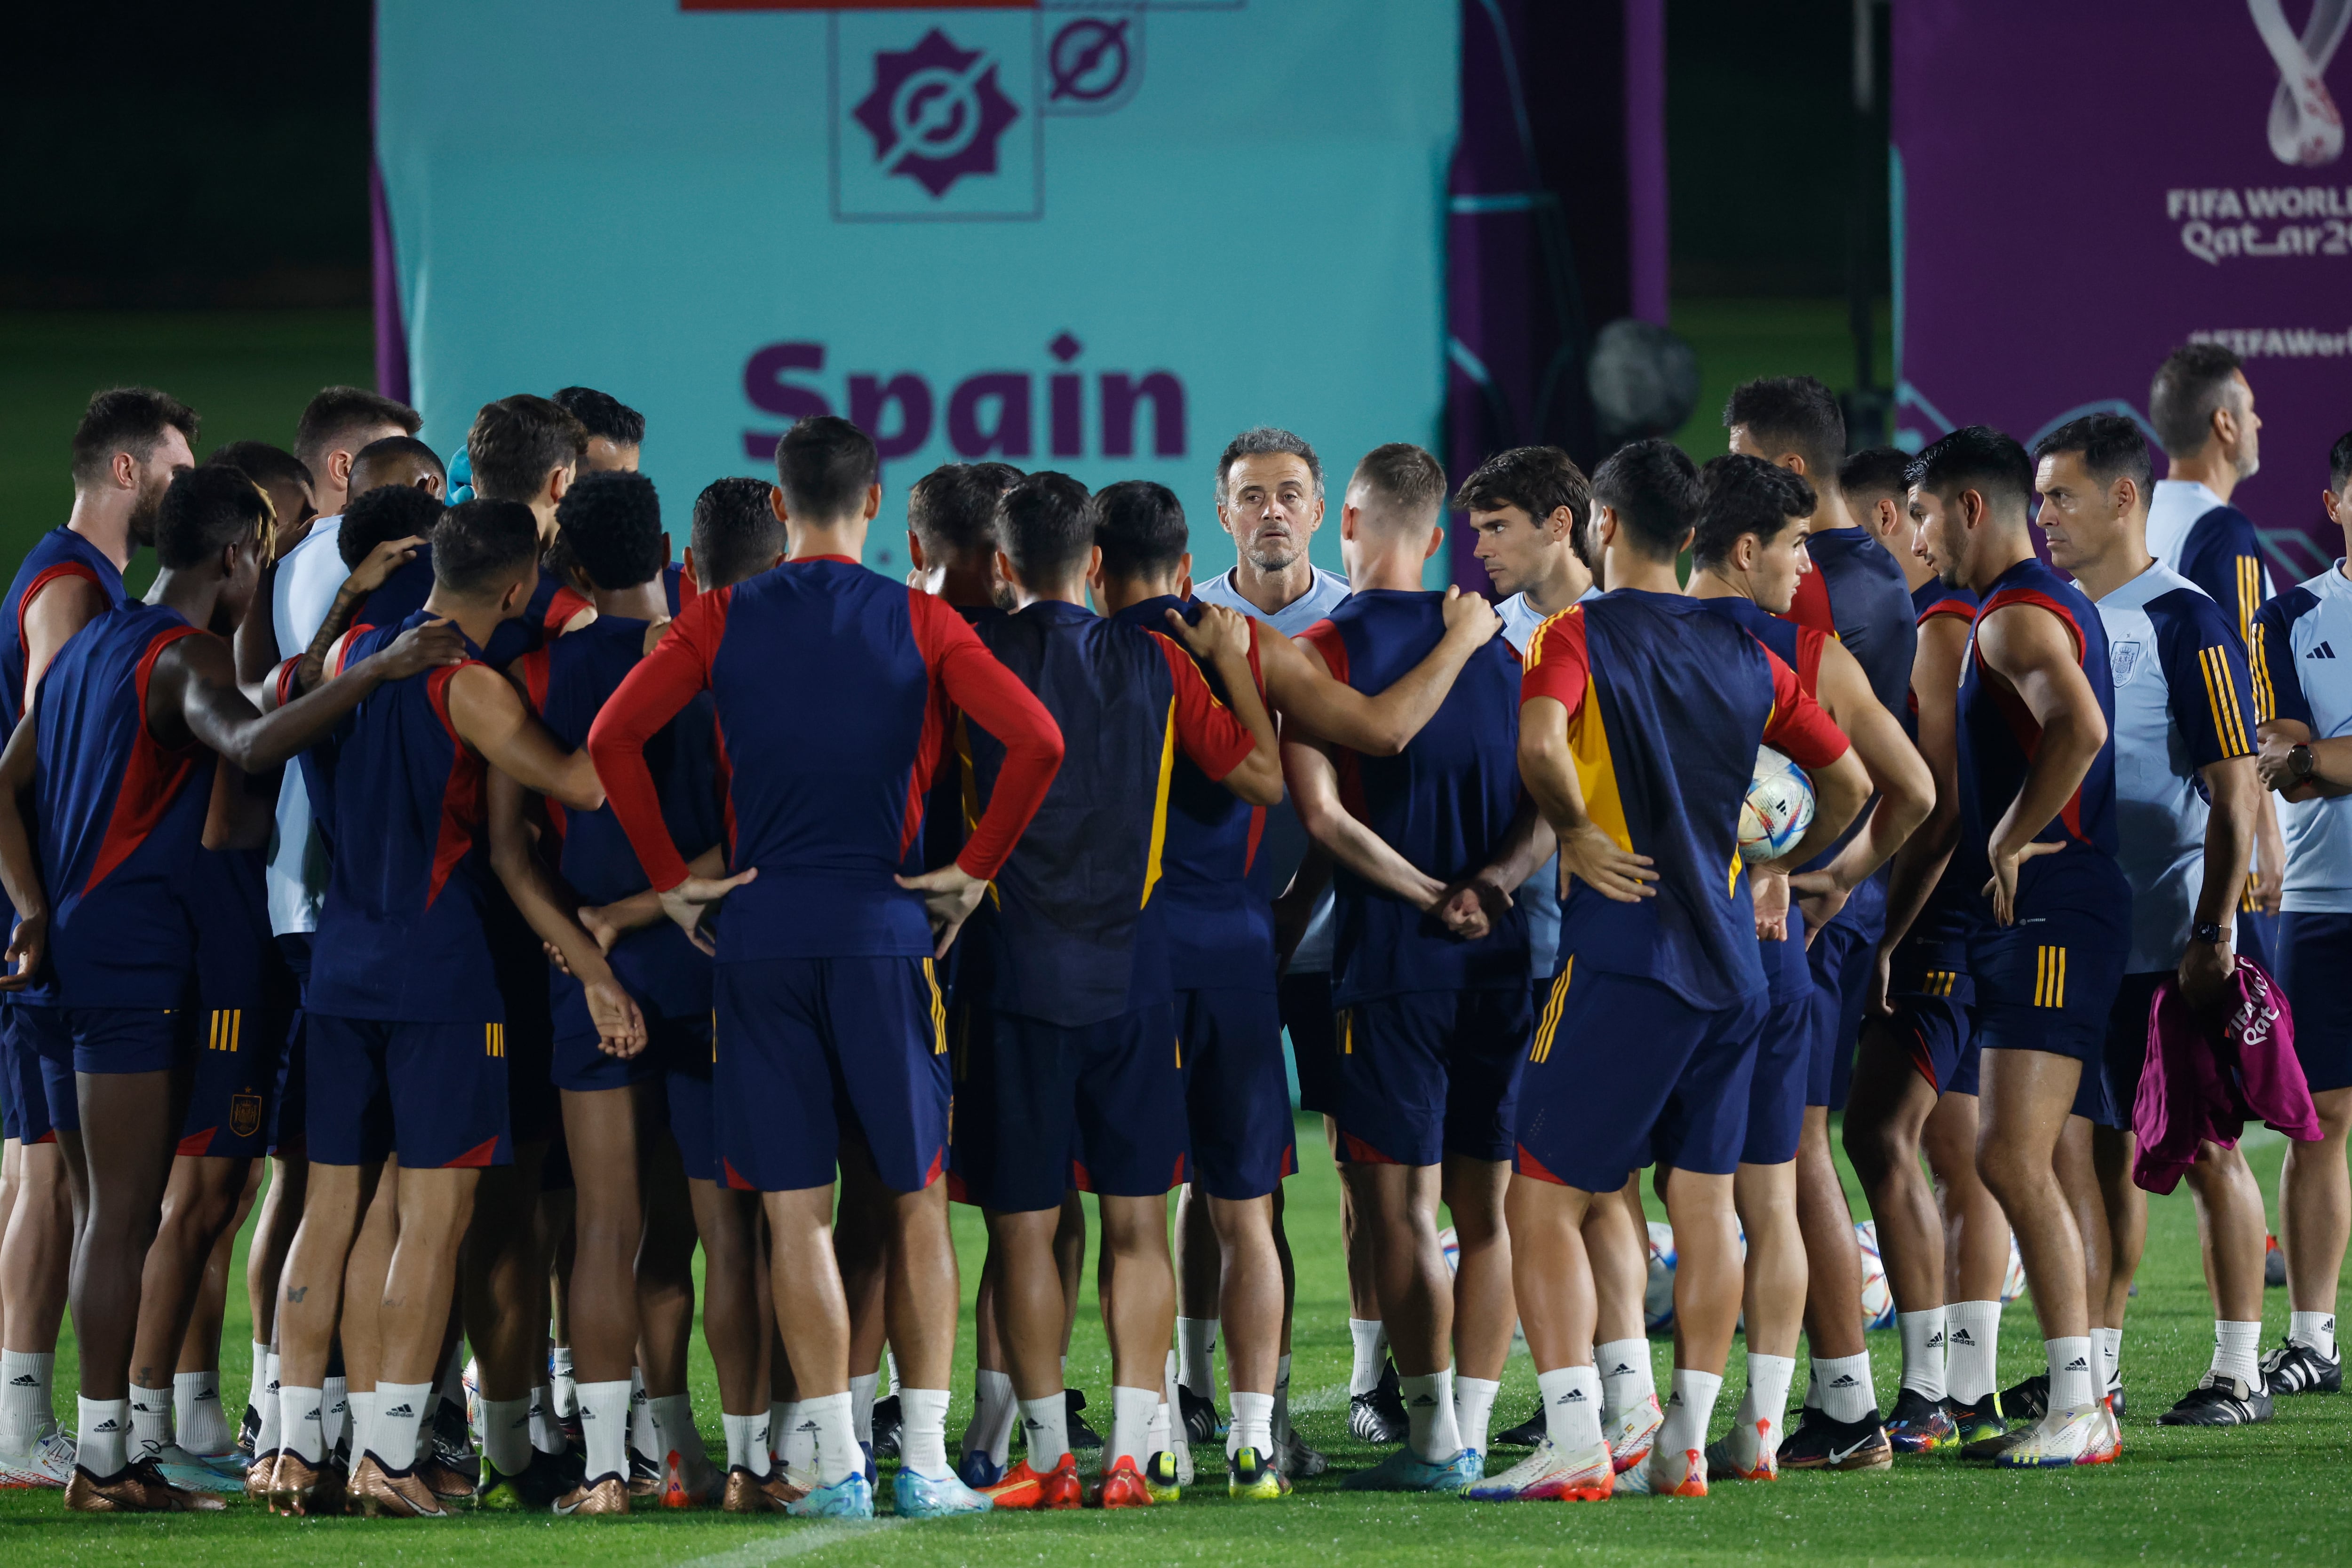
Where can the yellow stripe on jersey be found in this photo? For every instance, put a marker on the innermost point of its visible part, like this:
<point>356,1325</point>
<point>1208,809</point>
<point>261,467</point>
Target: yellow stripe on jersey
<point>1159,802</point>
<point>2250,595</point>
<point>1596,774</point>
<point>2221,694</point>
<point>1549,1024</point>
<point>2249,901</point>
<point>1536,642</point>
<point>939,1012</point>
<point>2258,663</point>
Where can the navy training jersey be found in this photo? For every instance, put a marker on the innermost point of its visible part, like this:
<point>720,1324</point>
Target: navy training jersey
<point>1077,939</point>
<point>60,552</point>
<point>1216,880</point>
<point>1445,803</point>
<point>1667,704</point>
<point>119,816</point>
<point>568,682</point>
<point>401,936</point>
<point>1999,740</point>
<point>1953,910</point>
<point>2213,544</point>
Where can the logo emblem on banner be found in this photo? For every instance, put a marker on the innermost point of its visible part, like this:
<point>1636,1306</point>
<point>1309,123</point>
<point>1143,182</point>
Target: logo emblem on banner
<point>2306,127</point>
<point>1093,63</point>
<point>935,120</point>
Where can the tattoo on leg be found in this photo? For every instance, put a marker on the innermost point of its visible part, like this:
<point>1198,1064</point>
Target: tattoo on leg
<point>296,1292</point>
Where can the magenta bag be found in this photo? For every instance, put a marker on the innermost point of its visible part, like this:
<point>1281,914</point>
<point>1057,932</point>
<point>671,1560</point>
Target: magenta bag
<point>2195,1088</point>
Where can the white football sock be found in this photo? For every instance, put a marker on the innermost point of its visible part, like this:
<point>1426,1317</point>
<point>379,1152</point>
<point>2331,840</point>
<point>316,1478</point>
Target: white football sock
<point>24,1404</point>
<point>747,1442</point>
<point>2234,1348</point>
<point>400,1409</point>
<point>102,1436</point>
<point>923,1431</point>
<point>197,1415</point>
<point>670,1424</point>
<point>861,1406</point>
<point>301,1430</point>
<point>355,1427</point>
<point>1196,1350</point>
<point>643,1438</point>
<point>993,1410</point>
<point>2074,1375</point>
<point>1364,1373</point>
<point>335,1415</point>
<point>502,1427</point>
<point>1971,1350</point>
<point>1571,1402</point>
<point>2109,1343</point>
<point>561,1386</point>
<point>260,1377</point>
<point>1429,1413</point>
<point>151,1421</point>
<point>798,1448</point>
<point>1688,1411</point>
<point>604,1427</point>
<point>1252,1426</point>
<point>264,1399</point>
<point>1473,1403</point>
<point>1130,1425</point>
<point>1157,1439</point>
<point>1626,1376</point>
<point>837,1456</point>
<point>1923,1351</point>
<point>545,1434</point>
<point>1766,1403</point>
<point>2316,1330</point>
<point>1846,1392</point>
<point>890,1369</point>
<point>1044,1430</point>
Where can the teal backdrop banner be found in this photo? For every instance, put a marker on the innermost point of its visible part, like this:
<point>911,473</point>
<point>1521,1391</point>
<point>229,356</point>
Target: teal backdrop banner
<point>1096,237</point>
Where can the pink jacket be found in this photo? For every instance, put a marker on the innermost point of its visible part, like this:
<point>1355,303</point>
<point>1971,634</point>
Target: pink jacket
<point>2195,1088</point>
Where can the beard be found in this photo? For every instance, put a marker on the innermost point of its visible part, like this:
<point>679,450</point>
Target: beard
<point>145,509</point>
<point>1273,558</point>
<point>2247,463</point>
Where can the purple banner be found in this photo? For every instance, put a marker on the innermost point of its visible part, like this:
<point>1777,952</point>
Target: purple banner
<point>2181,178</point>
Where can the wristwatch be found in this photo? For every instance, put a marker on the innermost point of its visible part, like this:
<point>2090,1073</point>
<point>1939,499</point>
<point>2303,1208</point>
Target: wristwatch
<point>2298,761</point>
<point>2209,933</point>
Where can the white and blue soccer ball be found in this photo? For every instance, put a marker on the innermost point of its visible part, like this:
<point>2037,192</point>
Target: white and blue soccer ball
<point>1877,1296</point>
<point>1451,1245</point>
<point>1778,808</point>
<point>1658,1298</point>
<point>2012,1279</point>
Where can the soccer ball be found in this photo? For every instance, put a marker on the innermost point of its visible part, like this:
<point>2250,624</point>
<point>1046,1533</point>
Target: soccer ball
<point>1451,1245</point>
<point>2012,1279</point>
<point>1778,808</point>
<point>1658,1298</point>
<point>1877,1297</point>
<point>473,1382</point>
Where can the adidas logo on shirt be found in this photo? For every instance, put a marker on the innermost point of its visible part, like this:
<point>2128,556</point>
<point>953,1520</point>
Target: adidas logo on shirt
<point>2322,652</point>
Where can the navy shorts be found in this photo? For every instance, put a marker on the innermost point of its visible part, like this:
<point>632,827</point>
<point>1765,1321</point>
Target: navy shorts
<point>1042,1108</point>
<point>236,1076</point>
<point>1314,1043</point>
<point>289,1101</point>
<point>42,1044</point>
<point>131,1040</point>
<point>2125,1054</point>
<point>1776,1088</point>
<point>1624,1073</point>
<point>1431,1073</point>
<point>813,1049</point>
<point>24,1102</point>
<point>534,1115</point>
<point>1840,956</point>
<point>687,1067</point>
<point>1934,997</point>
<point>435,1092</point>
<point>1235,1094</point>
<point>2315,969</point>
<point>2048,984</point>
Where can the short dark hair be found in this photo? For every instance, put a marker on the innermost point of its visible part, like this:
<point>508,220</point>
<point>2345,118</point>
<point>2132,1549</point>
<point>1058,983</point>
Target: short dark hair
<point>1792,413</point>
<point>2112,446</point>
<point>1977,457</point>
<point>824,466</point>
<point>386,512</point>
<point>612,523</point>
<point>389,453</point>
<point>2339,463</point>
<point>1652,486</point>
<point>2193,382</point>
<point>337,412</point>
<point>952,510</point>
<point>480,544</point>
<point>204,510</point>
<point>516,442</point>
<point>1739,495</point>
<point>1875,473</point>
<point>737,533</point>
<point>1537,480</point>
<point>1003,476</point>
<point>601,413</point>
<point>1140,526</point>
<point>262,463</point>
<point>1267,441</point>
<point>1046,525</point>
<point>1405,476</point>
<point>127,418</point>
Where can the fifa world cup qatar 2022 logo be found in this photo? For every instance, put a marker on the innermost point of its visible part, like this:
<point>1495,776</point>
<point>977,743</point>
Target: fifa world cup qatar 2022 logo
<point>937,112</point>
<point>2306,128</point>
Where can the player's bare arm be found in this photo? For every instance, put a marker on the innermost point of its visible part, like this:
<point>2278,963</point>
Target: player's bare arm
<point>1905,788</point>
<point>2031,650</point>
<point>2331,761</point>
<point>2236,796</point>
<point>1548,768</point>
<point>620,1027</point>
<point>1294,906</point>
<point>1303,691</point>
<point>1919,864</point>
<point>490,717</point>
<point>1314,792</point>
<point>1223,638</point>
<point>20,869</point>
<point>1474,902</point>
<point>365,579</point>
<point>194,695</point>
<point>67,605</point>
